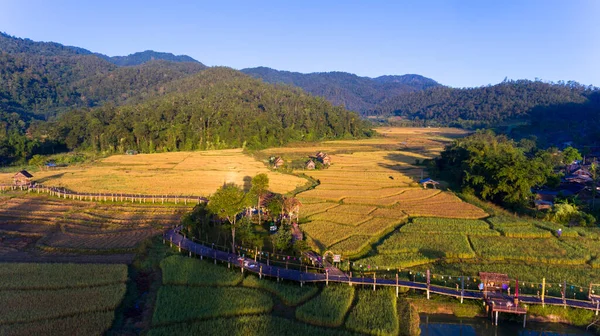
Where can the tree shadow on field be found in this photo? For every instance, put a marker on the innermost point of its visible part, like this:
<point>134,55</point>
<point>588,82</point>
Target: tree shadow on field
<point>49,178</point>
<point>247,183</point>
<point>431,253</point>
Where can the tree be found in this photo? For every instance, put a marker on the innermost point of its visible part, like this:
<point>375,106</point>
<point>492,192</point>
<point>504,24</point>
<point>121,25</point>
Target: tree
<point>594,173</point>
<point>570,154</point>
<point>291,206</point>
<point>494,168</point>
<point>283,238</point>
<point>226,203</point>
<point>275,206</point>
<point>260,185</point>
<point>198,220</point>
<point>37,160</point>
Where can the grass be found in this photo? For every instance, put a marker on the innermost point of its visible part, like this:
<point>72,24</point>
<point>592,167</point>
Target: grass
<point>246,325</point>
<point>57,276</point>
<point>329,308</point>
<point>96,323</point>
<point>578,317</point>
<point>290,294</point>
<point>374,313</point>
<point>175,173</point>
<point>32,305</point>
<point>179,270</point>
<point>179,303</point>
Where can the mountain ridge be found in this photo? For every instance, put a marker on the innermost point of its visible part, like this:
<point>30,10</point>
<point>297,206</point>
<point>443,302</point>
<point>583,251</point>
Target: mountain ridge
<point>356,93</point>
<point>15,45</point>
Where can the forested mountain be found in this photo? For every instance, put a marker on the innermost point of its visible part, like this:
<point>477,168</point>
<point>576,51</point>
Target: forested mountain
<point>14,45</point>
<point>148,56</point>
<point>361,94</point>
<point>45,78</point>
<point>217,108</point>
<point>489,104</point>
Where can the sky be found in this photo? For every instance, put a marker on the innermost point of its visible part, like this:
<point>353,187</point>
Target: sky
<point>458,43</point>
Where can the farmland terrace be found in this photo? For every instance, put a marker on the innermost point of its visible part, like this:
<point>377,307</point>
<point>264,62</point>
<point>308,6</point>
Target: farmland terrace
<point>176,239</point>
<point>39,228</point>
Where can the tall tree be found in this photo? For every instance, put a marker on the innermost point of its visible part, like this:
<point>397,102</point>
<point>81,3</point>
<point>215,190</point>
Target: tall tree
<point>227,203</point>
<point>260,185</point>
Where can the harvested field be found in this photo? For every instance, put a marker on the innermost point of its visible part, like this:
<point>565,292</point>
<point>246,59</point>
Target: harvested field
<point>315,208</point>
<point>63,227</point>
<point>176,173</point>
<point>341,218</point>
<point>98,241</point>
<point>353,245</point>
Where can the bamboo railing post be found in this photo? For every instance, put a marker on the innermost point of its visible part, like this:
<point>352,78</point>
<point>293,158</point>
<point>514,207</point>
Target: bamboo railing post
<point>374,281</point>
<point>543,291</point>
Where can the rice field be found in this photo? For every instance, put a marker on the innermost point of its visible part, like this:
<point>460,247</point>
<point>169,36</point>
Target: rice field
<point>548,251</point>
<point>178,270</point>
<point>444,245</point>
<point>176,173</point>
<point>54,299</point>
<point>442,225</point>
<point>329,308</point>
<point>371,186</point>
<point>48,225</point>
<point>30,276</point>
<point>261,325</point>
<point>290,293</point>
<point>375,313</point>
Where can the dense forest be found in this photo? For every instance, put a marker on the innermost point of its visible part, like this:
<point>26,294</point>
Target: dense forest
<point>222,108</point>
<point>360,94</point>
<point>490,104</point>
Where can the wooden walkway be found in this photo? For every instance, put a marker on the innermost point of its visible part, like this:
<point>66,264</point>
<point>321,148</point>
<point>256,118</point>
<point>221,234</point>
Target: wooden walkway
<point>332,274</point>
<point>99,197</point>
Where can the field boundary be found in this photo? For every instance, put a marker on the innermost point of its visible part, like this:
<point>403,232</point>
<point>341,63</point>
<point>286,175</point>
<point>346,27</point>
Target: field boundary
<point>106,197</point>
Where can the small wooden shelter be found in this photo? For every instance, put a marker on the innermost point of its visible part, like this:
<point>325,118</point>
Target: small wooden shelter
<point>310,165</point>
<point>22,178</point>
<point>493,282</point>
<point>428,182</point>
<point>323,158</point>
<point>277,162</point>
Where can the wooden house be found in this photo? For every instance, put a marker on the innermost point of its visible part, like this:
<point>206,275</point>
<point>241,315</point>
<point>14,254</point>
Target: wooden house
<point>277,162</point>
<point>22,178</point>
<point>326,160</point>
<point>428,182</point>
<point>310,165</point>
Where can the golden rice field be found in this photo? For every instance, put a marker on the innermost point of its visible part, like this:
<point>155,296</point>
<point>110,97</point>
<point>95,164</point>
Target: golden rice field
<point>370,188</point>
<point>177,173</point>
<point>33,226</point>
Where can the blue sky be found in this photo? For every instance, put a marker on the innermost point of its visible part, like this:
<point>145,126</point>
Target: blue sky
<point>458,43</point>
